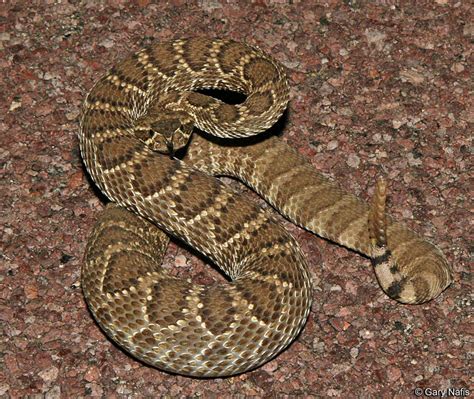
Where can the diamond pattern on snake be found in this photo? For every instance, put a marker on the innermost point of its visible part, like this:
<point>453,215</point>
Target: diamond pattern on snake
<point>135,120</point>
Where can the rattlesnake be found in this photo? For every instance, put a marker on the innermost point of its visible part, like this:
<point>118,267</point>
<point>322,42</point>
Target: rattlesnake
<point>134,119</point>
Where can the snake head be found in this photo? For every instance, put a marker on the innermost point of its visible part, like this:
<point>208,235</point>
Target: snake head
<point>165,133</point>
<point>170,134</point>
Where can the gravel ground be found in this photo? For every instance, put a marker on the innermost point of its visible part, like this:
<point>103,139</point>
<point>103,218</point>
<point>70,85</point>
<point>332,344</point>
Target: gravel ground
<point>379,88</point>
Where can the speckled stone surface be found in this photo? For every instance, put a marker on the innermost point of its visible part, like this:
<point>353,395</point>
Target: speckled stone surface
<point>379,88</point>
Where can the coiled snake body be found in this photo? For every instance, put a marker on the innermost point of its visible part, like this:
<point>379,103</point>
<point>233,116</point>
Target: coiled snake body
<point>134,118</point>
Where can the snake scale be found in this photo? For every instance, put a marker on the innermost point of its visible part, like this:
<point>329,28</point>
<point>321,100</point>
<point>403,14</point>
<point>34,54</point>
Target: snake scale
<point>134,120</point>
